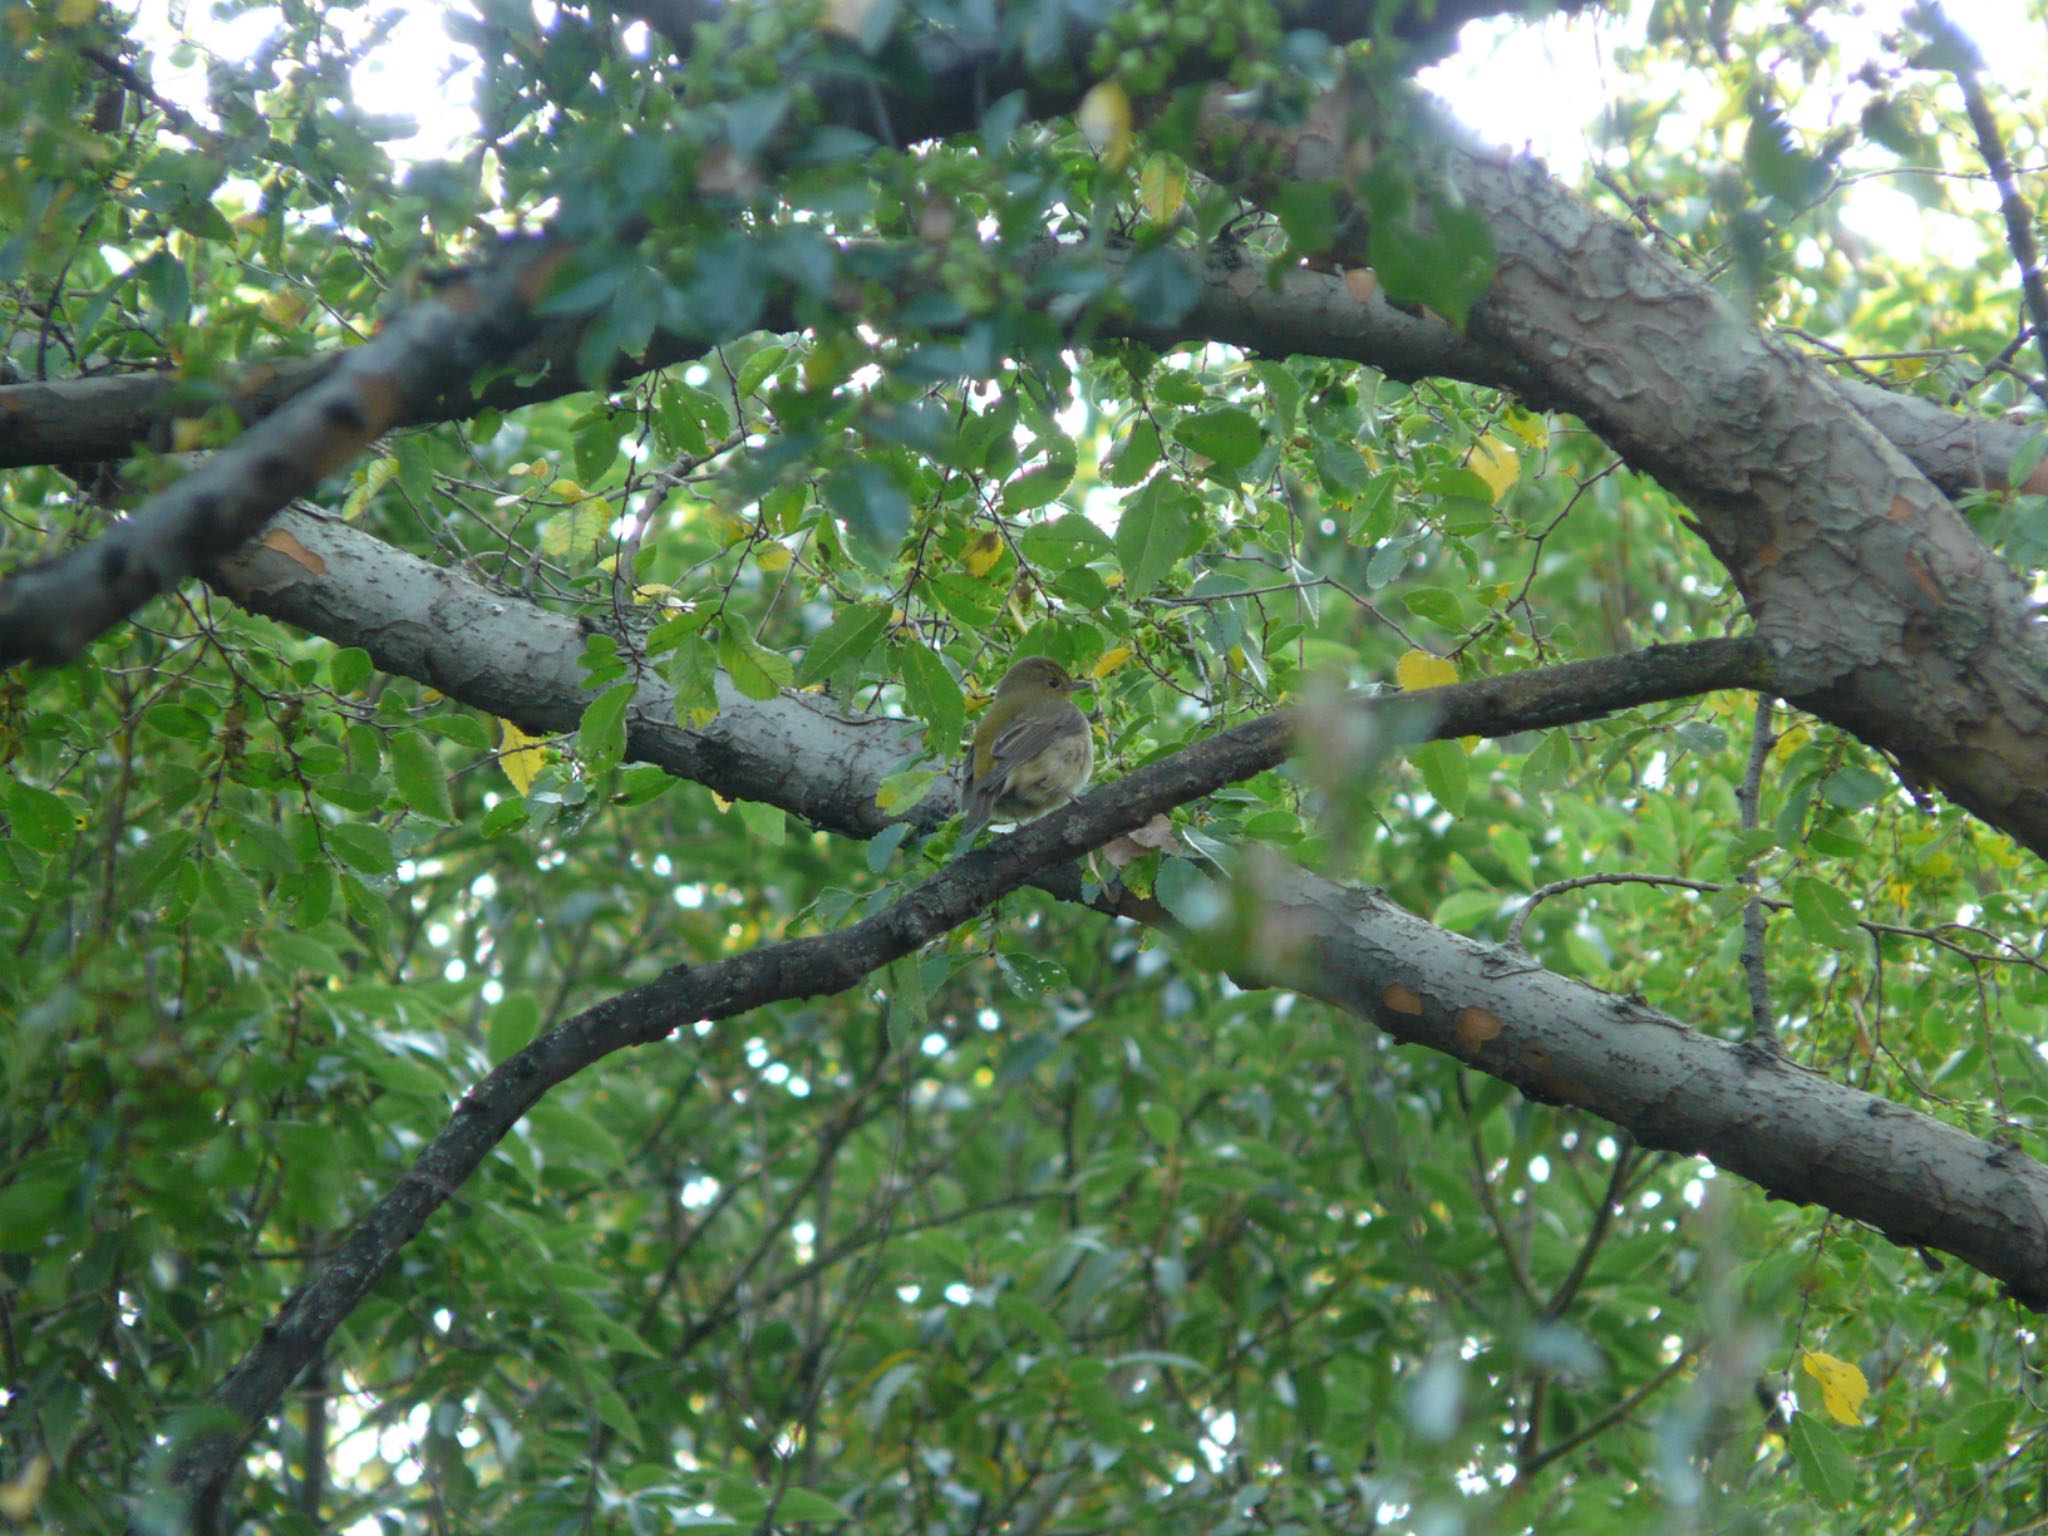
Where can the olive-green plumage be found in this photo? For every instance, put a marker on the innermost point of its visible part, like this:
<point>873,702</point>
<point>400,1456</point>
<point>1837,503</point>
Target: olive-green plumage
<point>1032,750</point>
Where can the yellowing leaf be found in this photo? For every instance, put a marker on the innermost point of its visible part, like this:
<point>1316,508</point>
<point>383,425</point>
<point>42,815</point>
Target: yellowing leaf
<point>1162,188</point>
<point>1417,670</point>
<point>285,307</point>
<point>900,791</point>
<point>654,592</point>
<point>982,553</point>
<point>1112,658</point>
<point>568,490</point>
<point>18,1499</point>
<point>1105,121</point>
<point>188,434</point>
<point>729,527</point>
<point>519,756</point>
<point>1842,1387</point>
<point>1496,463</point>
<point>1533,430</point>
<point>1789,743</point>
<point>772,557</point>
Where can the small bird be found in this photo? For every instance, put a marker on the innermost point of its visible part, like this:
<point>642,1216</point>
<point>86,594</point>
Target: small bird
<point>1032,751</point>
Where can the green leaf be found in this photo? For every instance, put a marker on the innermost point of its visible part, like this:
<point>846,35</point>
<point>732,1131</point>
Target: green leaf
<point>1036,487</point>
<point>932,694</point>
<point>844,644</point>
<point>802,1505</point>
<point>362,847</point>
<point>348,669</point>
<point>1824,1463</point>
<point>1132,459</point>
<point>1153,533</point>
<point>756,671</point>
<point>1230,436</point>
<point>692,672</point>
<point>1067,542</point>
<point>1853,788</point>
<point>1824,912</point>
<point>421,779</point>
<point>41,820</point>
<point>601,737</point>
<point>1466,911</point>
<point>755,370</point>
<point>1341,467</point>
<point>1446,772</point>
<point>766,824</point>
<point>514,1023</point>
<point>1185,889</point>
<point>29,1211</point>
<point>229,891</point>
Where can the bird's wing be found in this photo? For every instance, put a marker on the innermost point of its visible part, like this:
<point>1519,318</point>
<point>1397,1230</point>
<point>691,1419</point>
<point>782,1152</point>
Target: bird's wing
<point>1027,738</point>
<point>1018,743</point>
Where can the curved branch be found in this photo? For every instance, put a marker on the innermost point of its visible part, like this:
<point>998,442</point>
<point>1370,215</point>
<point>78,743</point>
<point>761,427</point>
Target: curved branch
<point>1884,611</point>
<point>51,611</point>
<point>1915,1179</point>
<point>1239,301</point>
<point>1798,1135</point>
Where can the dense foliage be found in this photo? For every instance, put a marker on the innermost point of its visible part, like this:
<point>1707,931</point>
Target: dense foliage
<point>1050,1227</point>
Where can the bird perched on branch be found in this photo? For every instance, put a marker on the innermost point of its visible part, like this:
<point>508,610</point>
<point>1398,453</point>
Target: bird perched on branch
<point>1032,751</point>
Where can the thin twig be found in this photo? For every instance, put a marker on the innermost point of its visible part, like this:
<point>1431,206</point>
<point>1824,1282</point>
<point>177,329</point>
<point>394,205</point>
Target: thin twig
<point>1763,1032</point>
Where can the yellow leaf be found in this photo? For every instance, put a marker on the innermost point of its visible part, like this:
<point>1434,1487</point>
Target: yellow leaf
<point>721,802</point>
<point>543,471</point>
<point>658,592</point>
<point>772,557</point>
<point>18,1499</point>
<point>188,434</point>
<point>1789,743</point>
<point>901,791</point>
<point>518,755</point>
<point>1496,463</point>
<point>1842,1387</point>
<point>1363,283</point>
<point>285,307</point>
<point>1533,430</point>
<point>1104,119</point>
<point>1417,670</point>
<point>569,490</point>
<point>1162,188</point>
<point>1112,658</point>
<point>982,553</point>
<point>730,527</point>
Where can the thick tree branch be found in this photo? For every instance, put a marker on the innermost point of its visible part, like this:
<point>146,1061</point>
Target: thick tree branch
<point>510,657</point>
<point>797,753</point>
<point>51,611</point>
<point>1240,301</point>
<point>1796,1134</point>
<point>1885,612</point>
<point>820,966</point>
